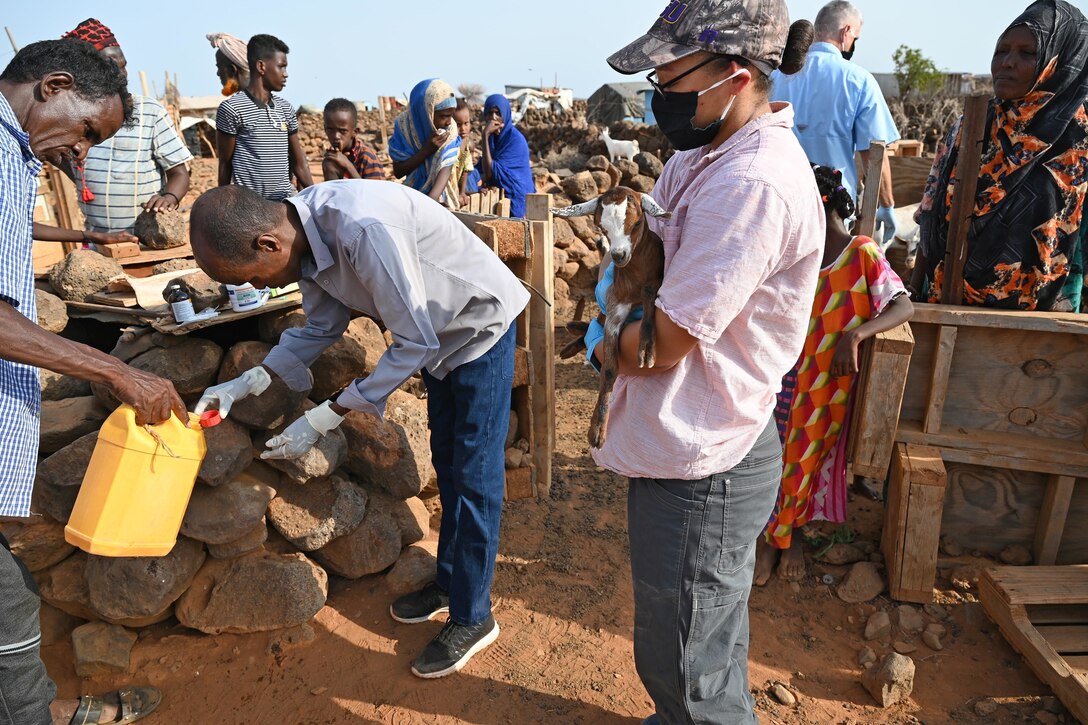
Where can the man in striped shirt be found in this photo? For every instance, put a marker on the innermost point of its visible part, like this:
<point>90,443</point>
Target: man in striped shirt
<point>257,132</point>
<point>141,168</point>
<point>57,99</point>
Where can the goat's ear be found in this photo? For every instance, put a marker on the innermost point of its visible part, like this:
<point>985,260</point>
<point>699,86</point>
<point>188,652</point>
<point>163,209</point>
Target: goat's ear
<point>654,209</point>
<point>586,209</point>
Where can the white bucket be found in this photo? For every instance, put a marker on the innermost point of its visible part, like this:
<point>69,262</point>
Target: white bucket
<point>246,297</point>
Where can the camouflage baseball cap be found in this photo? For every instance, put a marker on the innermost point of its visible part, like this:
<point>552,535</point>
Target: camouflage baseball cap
<point>752,29</point>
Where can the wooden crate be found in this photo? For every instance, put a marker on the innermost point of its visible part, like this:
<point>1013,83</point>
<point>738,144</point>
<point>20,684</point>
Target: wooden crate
<point>912,522</point>
<point>525,245</point>
<point>1043,613</point>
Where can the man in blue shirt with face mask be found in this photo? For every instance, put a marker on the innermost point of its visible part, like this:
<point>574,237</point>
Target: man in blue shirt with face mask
<point>839,107</point>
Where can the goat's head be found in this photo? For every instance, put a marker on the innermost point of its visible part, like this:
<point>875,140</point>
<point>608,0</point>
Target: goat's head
<point>621,212</point>
<point>605,134</point>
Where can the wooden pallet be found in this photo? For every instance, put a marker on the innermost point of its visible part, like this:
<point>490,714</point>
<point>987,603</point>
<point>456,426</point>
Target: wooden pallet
<point>1043,613</point>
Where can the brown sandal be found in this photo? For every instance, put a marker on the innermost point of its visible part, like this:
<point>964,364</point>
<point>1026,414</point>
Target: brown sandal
<point>133,703</point>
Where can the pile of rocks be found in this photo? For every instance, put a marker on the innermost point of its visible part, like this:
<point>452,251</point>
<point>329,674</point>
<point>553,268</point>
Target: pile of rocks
<point>259,540</point>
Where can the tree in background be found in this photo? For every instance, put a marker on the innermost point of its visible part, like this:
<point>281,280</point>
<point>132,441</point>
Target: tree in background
<point>472,92</point>
<point>917,74</point>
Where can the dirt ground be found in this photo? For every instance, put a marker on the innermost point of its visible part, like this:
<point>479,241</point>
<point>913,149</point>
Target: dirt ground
<point>563,598</point>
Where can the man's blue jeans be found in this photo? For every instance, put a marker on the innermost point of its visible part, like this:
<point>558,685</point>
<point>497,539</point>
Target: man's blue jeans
<point>469,415</point>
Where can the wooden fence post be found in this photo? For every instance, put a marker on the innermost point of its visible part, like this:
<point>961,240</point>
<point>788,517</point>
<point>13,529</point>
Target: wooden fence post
<point>963,197</point>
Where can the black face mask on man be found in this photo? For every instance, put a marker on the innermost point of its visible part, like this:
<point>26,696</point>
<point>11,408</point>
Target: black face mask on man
<point>675,114</point>
<point>848,54</point>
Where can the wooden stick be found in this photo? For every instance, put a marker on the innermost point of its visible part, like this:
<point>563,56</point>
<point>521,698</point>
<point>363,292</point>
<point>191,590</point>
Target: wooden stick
<point>381,116</point>
<point>871,199</point>
<point>143,83</point>
<point>14,45</point>
<point>963,197</point>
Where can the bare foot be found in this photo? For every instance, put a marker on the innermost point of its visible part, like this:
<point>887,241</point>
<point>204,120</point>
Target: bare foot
<point>766,558</point>
<point>792,566</point>
<point>63,711</point>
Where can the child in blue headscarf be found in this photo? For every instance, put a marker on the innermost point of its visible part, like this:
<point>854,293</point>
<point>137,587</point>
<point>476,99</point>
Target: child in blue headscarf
<point>425,141</point>
<point>505,162</point>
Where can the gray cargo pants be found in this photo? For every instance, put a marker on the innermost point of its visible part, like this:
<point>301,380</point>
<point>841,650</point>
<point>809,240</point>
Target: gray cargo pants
<point>692,560</point>
<point>25,688</point>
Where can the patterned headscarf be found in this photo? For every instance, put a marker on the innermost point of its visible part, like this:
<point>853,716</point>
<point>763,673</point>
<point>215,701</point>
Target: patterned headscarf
<point>233,48</point>
<point>95,33</point>
<point>415,127</point>
<point>1033,180</point>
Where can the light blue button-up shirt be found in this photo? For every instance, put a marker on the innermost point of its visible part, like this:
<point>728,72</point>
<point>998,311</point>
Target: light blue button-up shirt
<point>838,109</point>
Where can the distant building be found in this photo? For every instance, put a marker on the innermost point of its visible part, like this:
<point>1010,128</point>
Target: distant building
<point>956,84</point>
<point>615,102</point>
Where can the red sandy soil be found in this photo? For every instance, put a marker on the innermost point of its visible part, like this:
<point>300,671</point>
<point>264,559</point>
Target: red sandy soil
<point>563,598</point>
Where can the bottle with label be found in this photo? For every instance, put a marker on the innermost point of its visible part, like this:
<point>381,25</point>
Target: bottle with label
<point>181,304</point>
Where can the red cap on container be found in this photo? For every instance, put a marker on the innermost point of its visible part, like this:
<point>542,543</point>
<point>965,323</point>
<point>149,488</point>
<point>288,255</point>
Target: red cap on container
<point>210,419</point>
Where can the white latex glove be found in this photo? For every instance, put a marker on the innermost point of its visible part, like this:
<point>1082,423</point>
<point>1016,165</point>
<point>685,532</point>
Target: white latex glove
<point>303,434</point>
<point>885,220</point>
<point>252,382</point>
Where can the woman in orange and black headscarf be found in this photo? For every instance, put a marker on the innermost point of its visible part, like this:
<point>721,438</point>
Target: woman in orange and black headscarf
<point>1026,238</point>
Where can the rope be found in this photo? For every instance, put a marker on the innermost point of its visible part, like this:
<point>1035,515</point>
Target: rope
<point>159,442</point>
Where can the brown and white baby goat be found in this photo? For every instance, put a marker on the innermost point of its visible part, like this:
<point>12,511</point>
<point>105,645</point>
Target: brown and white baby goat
<point>639,258</point>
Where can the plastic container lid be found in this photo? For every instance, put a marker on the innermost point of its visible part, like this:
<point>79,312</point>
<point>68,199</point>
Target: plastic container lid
<point>210,419</point>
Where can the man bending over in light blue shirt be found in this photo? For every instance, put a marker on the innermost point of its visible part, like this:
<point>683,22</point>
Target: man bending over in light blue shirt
<point>395,255</point>
<point>838,106</point>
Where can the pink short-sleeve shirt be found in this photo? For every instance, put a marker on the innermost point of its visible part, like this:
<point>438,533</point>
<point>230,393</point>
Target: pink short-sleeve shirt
<point>742,255</point>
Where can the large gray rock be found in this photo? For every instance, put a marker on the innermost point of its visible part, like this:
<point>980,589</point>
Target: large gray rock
<point>273,324</point>
<point>321,461</point>
<point>642,183</point>
<point>39,544</point>
<point>270,409</point>
<point>863,582</point>
<point>64,586</point>
<point>204,292</point>
<point>59,387</point>
<point>83,273</point>
<point>190,365</point>
<point>250,541</point>
<point>52,312</point>
<point>138,591</point>
<point>61,475</point>
<point>581,187</point>
<point>163,229</point>
<point>892,681</point>
<point>649,165</point>
<point>228,512</point>
<point>311,516</point>
<point>353,356</point>
<point>411,515</point>
<point>230,451</point>
<point>65,421</point>
<point>256,593</point>
<point>394,454</point>
<point>101,649</point>
<point>416,567</point>
<point>372,547</point>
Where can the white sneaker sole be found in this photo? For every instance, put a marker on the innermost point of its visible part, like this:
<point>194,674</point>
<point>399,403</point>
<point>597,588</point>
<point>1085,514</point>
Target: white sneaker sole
<point>419,620</point>
<point>456,666</point>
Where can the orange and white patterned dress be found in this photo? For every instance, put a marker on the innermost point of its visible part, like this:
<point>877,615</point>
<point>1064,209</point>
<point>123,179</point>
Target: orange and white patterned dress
<point>854,289</point>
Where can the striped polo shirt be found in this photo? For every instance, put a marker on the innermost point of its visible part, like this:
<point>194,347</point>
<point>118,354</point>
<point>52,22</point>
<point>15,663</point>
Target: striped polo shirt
<point>261,160</point>
<point>125,171</point>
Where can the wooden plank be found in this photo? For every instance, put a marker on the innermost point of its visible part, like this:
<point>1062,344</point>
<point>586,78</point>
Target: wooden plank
<point>519,483</point>
<point>941,371</point>
<point>1001,450</point>
<point>116,299</point>
<point>153,256</point>
<point>879,398</point>
<point>1048,665</point>
<point>964,196</point>
<point>503,208</point>
<point>1051,526</point>
<point>1058,614</point>
<point>542,322</point>
<point>1077,662</point>
<point>1042,584</point>
<point>870,200</point>
<point>92,307</point>
<point>523,367</point>
<point>1071,323</point>
<point>913,522</point>
<point>168,326</point>
<point>1066,638</point>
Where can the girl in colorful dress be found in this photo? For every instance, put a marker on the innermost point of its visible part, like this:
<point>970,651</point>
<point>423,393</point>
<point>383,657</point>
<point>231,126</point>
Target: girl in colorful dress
<point>857,297</point>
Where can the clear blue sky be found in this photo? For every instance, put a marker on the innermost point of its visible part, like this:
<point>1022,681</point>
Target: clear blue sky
<point>373,49</point>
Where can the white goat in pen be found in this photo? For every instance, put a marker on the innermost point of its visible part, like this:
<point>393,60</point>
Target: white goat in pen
<point>619,149</point>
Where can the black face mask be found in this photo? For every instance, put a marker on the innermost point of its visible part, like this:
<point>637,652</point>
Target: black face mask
<point>848,54</point>
<point>675,114</point>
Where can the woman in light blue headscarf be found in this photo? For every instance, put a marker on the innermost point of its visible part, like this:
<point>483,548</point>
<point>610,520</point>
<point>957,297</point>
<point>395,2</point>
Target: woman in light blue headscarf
<point>425,142</point>
<point>505,162</point>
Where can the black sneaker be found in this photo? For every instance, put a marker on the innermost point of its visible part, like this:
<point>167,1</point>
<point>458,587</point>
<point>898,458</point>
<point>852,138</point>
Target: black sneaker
<point>454,647</point>
<point>420,606</point>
